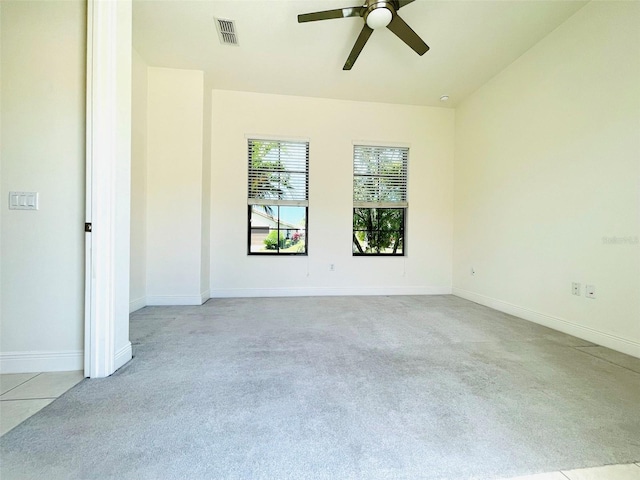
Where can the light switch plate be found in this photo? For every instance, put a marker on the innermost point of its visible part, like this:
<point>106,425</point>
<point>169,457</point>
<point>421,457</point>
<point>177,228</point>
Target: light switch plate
<point>23,200</point>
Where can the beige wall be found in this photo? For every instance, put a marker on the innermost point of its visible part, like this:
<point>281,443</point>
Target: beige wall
<point>205,269</point>
<point>174,195</point>
<point>331,126</point>
<point>138,248</point>
<point>547,166</point>
<point>42,150</point>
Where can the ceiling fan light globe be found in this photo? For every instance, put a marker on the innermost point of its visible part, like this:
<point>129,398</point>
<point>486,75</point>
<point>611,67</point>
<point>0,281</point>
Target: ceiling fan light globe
<point>379,17</point>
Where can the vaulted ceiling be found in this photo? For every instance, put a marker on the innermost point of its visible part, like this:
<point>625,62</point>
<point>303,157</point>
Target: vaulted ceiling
<point>471,41</point>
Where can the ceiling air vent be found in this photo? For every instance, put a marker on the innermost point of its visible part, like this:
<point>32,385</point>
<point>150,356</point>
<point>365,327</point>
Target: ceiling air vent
<point>227,31</point>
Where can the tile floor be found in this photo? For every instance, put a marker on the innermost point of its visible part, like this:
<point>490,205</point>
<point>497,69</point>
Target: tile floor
<point>23,394</point>
<point>609,472</point>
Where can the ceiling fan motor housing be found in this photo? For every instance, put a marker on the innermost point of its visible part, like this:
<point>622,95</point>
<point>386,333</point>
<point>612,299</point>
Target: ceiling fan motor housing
<point>379,14</point>
<point>376,14</point>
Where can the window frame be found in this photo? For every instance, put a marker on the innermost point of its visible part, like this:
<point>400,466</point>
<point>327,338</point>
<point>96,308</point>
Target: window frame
<point>278,229</point>
<point>379,254</point>
<point>399,183</point>
<point>277,203</point>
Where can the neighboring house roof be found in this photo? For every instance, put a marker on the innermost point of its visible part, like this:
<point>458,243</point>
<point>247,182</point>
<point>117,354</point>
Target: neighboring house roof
<point>266,220</point>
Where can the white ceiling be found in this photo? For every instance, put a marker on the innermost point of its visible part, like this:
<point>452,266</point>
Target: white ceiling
<point>471,41</point>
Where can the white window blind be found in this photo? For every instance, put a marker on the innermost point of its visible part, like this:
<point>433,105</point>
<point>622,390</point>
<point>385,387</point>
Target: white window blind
<point>380,176</point>
<point>278,173</point>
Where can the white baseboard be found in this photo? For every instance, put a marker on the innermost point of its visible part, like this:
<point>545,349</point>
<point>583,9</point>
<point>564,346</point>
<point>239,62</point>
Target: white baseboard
<point>204,296</point>
<point>123,355</point>
<point>586,333</point>
<point>29,362</point>
<point>137,304</point>
<point>163,300</point>
<point>326,291</point>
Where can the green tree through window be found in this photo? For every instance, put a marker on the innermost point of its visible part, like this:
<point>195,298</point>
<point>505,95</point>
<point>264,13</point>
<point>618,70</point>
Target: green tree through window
<point>380,200</point>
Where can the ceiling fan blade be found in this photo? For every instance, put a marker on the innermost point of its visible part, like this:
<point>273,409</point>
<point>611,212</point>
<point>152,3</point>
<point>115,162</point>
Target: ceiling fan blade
<point>365,33</point>
<point>408,36</point>
<point>402,3</point>
<point>329,14</point>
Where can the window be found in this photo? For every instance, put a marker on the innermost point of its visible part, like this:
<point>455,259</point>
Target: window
<point>278,197</point>
<point>379,200</point>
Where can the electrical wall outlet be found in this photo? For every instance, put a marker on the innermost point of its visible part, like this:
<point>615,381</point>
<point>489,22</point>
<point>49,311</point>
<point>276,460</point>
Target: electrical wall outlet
<point>590,291</point>
<point>575,288</point>
<point>332,267</point>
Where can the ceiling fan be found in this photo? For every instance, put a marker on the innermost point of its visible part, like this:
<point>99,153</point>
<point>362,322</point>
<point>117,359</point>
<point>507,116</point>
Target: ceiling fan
<point>376,14</point>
